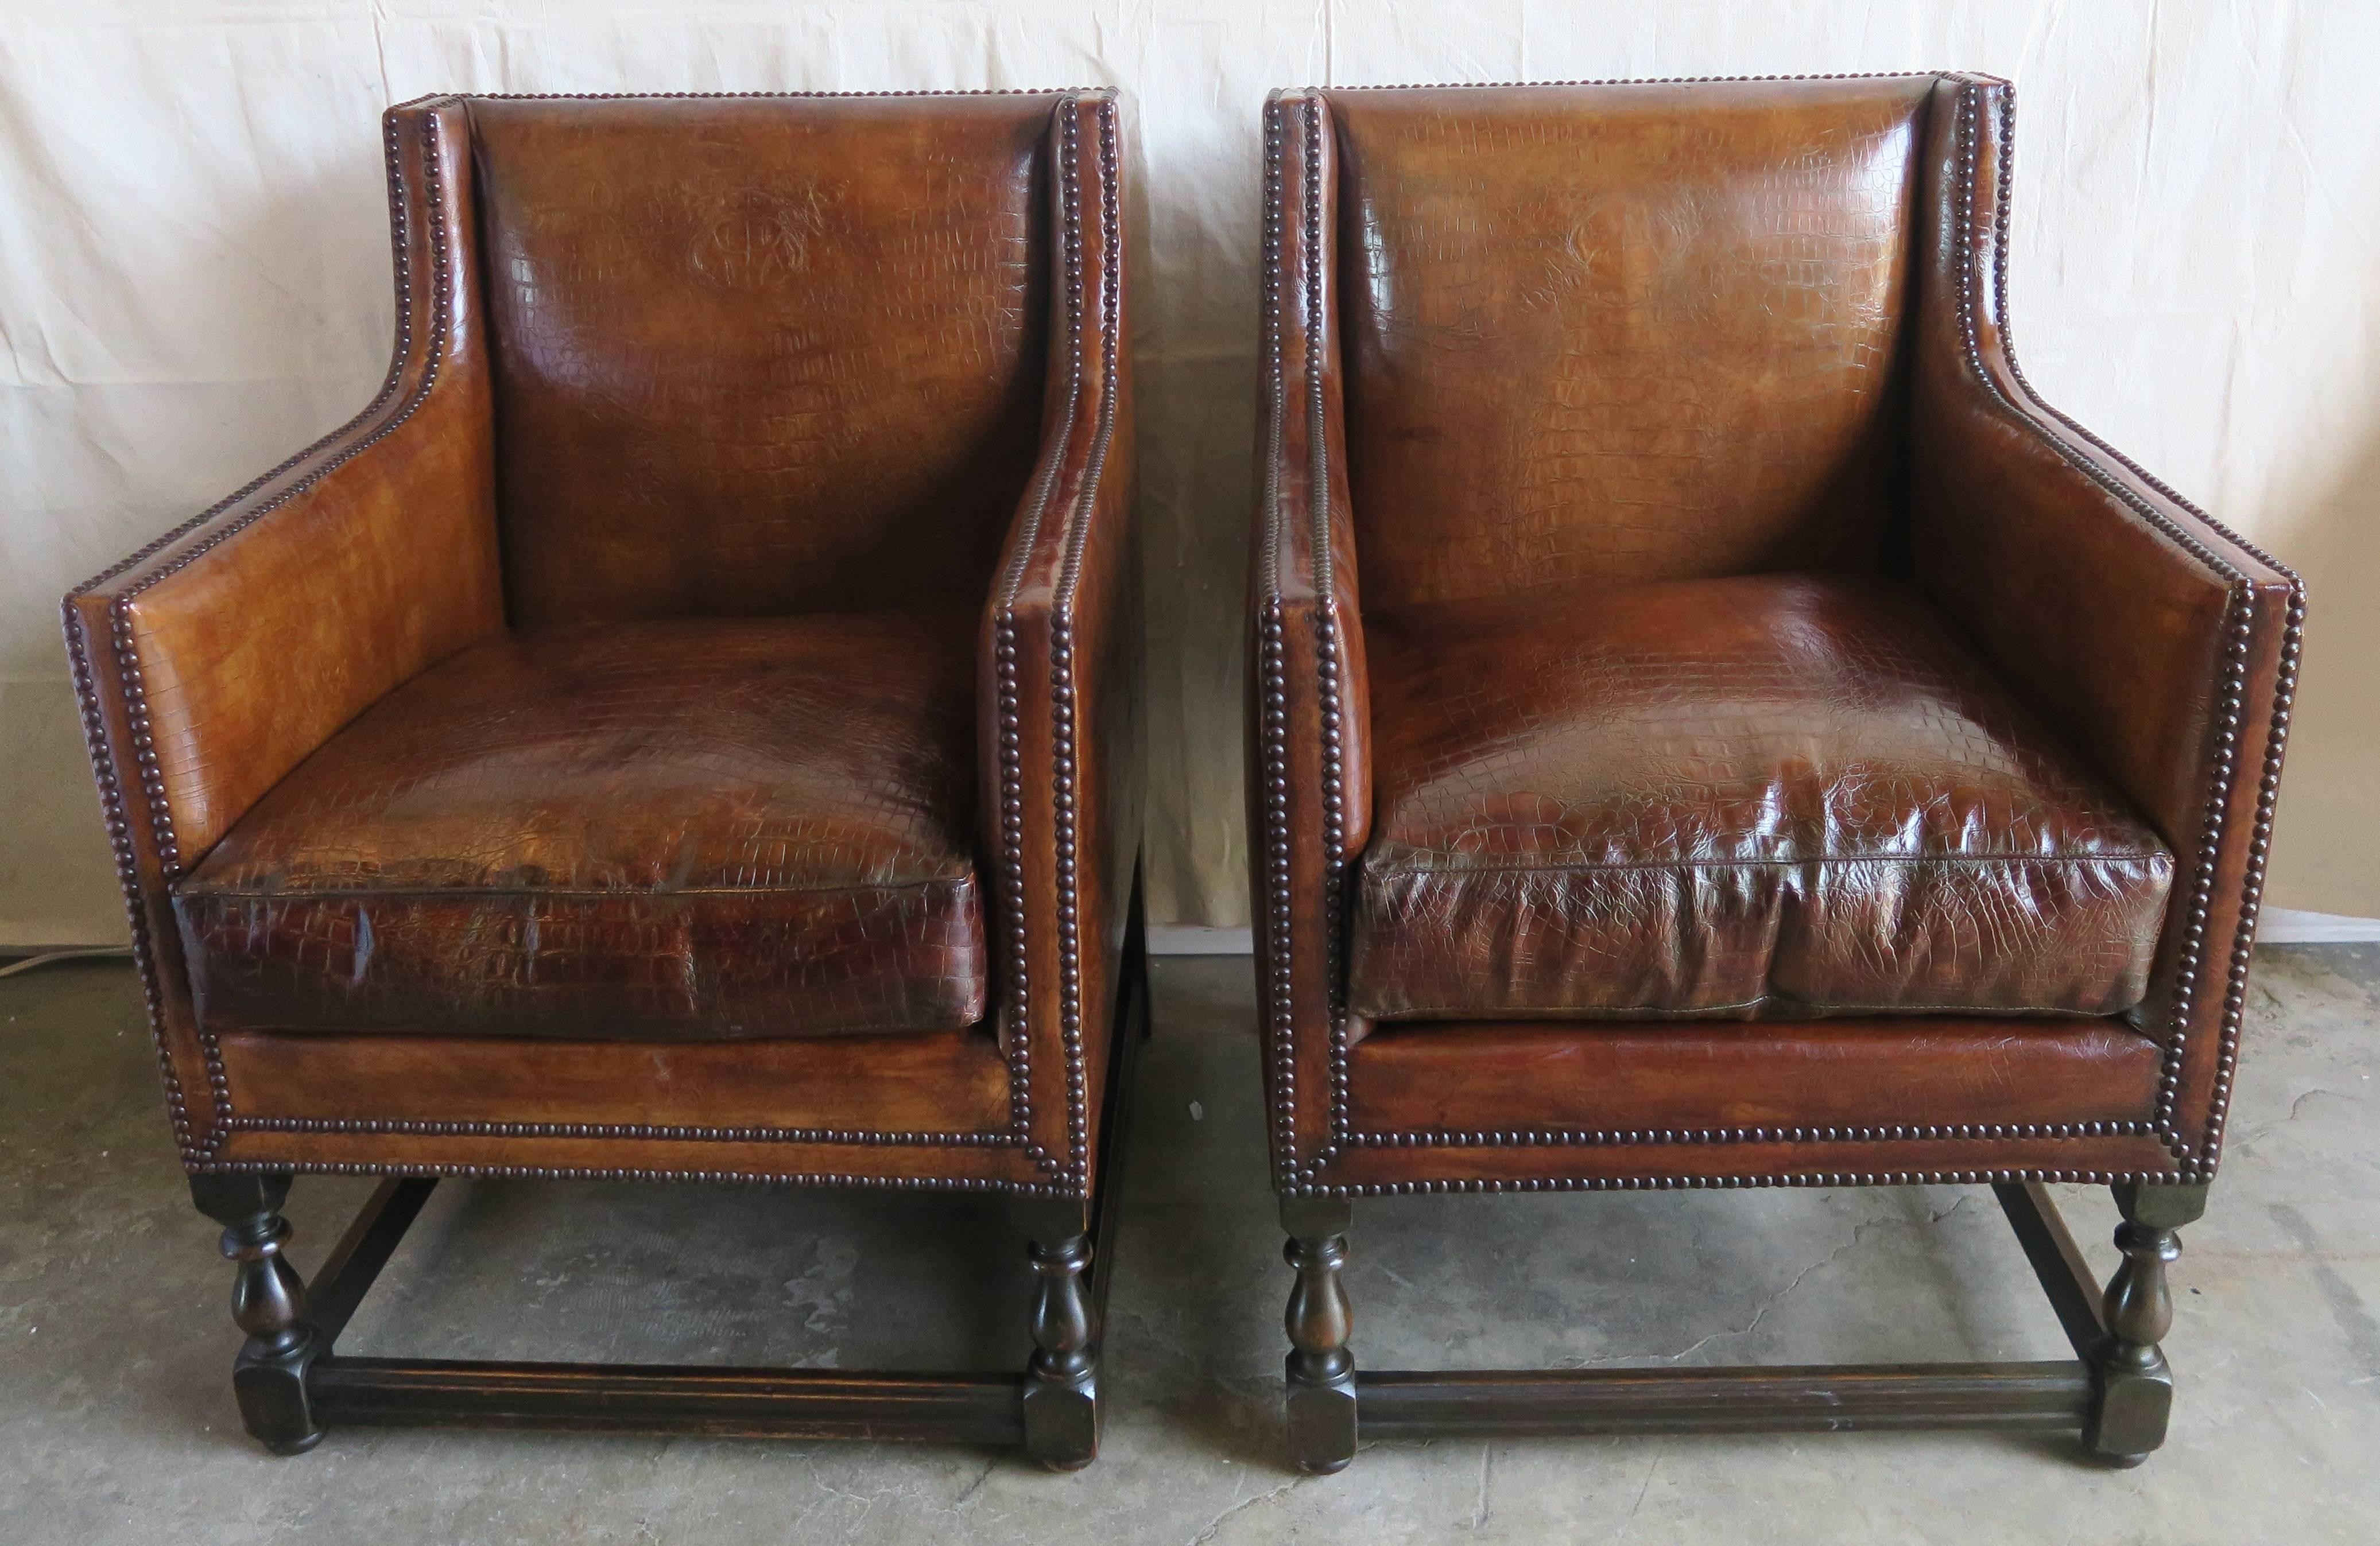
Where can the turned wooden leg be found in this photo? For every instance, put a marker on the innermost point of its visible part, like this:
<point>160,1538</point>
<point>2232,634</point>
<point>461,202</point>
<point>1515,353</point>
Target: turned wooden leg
<point>1321,1370</point>
<point>2135,1386</point>
<point>268,1302</point>
<point>1062,1398</point>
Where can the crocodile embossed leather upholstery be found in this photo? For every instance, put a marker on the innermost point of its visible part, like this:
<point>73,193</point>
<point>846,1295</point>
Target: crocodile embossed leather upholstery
<point>1768,796</point>
<point>809,330</point>
<point>717,829</point>
<point>686,725</point>
<point>1671,606</point>
<point>1630,333</point>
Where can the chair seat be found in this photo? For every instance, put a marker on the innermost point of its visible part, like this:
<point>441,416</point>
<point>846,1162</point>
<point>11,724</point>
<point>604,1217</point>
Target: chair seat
<point>1758,797</point>
<point>684,830</point>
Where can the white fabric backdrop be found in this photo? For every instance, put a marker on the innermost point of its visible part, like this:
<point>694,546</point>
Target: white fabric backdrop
<point>194,282</point>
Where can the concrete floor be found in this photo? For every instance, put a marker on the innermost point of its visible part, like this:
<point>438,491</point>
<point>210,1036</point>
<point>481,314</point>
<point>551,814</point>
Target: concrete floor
<point>117,1421</point>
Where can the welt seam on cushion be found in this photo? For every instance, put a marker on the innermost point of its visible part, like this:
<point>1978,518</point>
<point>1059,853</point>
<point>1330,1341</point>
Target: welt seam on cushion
<point>1436,1014</point>
<point>1589,866</point>
<point>467,892</point>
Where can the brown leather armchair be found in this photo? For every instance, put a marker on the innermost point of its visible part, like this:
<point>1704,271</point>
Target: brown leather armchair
<point>1767,746</point>
<point>684,728</point>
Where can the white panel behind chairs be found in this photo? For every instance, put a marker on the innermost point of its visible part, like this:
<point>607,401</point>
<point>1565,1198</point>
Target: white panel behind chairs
<point>194,284</point>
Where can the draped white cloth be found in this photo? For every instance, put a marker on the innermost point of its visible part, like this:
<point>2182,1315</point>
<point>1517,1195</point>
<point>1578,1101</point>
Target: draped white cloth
<point>194,282</point>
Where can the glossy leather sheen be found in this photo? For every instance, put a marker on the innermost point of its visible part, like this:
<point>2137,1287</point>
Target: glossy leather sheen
<point>1537,351</point>
<point>909,1082</point>
<point>1913,1073</point>
<point>762,354</point>
<point>727,619</point>
<point>1309,794</point>
<point>1622,333</point>
<point>689,829</point>
<point>2099,595</point>
<point>1778,796</point>
<point>375,552</point>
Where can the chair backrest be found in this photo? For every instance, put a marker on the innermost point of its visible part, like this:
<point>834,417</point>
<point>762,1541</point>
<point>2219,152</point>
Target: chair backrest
<point>1622,333</point>
<point>757,356</point>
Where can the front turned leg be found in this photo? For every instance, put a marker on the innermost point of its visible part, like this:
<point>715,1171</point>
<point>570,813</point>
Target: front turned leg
<point>2135,1386</point>
<point>1062,1398</point>
<point>1321,1370</point>
<point>268,1302</point>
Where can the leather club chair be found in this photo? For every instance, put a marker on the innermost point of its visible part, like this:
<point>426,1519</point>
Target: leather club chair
<point>1712,725</point>
<point>682,730</point>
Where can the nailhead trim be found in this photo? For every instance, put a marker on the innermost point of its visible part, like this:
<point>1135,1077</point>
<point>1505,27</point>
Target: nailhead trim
<point>1281,1027</point>
<point>591,1173</point>
<point>1596,1138</point>
<point>1074,1169</point>
<point>1325,651</point>
<point>2193,1165</point>
<point>1739,1183</point>
<point>199,1158</point>
<point>127,655</point>
<point>127,870</point>
<point>854,1136</point>
<point>2235,995</point>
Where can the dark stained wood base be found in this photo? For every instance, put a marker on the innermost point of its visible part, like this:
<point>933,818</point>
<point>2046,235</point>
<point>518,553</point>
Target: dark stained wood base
<point>2116,1390</point>
<point>292,1384</point>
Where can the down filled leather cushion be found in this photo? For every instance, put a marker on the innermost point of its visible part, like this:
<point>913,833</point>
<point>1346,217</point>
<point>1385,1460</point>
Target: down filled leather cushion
<point>688,831</point>
<point>1751,797</point>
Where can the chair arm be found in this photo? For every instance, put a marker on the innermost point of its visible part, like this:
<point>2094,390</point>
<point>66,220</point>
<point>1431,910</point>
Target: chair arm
<point>1060,678</point>
<point>2159,641</point>
<point>1309,770</point>
<point>214,659</point>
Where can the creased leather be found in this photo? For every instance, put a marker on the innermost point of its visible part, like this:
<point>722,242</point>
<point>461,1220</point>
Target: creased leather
<point>1772,796</point>
<point>690,829</point>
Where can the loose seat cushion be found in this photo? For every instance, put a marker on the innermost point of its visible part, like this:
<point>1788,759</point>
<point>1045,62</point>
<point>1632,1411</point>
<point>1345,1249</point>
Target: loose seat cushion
<point>1770,796</point>
<point>681,831</point>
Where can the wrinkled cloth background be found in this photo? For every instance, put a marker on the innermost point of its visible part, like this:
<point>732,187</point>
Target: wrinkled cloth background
<point>194,282</point>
